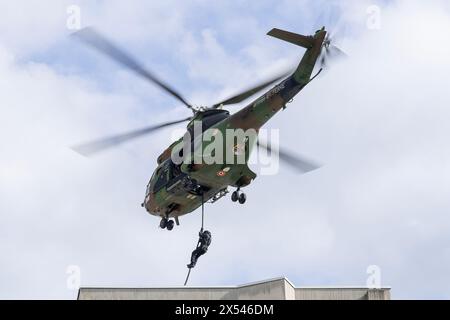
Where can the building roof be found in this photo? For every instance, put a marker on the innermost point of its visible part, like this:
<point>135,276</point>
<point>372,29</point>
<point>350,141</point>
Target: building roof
<point>272,289</point>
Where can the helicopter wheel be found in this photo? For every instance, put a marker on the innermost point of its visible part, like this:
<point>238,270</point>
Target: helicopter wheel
<point>164,223</point>
<point>170,225</point>
<point>235,196</point>
<point>242,198</point>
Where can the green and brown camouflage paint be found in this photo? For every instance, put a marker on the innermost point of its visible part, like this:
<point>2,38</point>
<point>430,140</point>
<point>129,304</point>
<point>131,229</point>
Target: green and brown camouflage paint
<point>253,116</point>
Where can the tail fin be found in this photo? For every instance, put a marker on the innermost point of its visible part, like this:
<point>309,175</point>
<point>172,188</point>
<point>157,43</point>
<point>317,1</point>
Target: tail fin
<point>297,39</point>
<point>313,45</point>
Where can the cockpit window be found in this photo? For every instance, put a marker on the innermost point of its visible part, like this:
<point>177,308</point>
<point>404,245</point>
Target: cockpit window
<point>162,178</point>
<point>166,172</point>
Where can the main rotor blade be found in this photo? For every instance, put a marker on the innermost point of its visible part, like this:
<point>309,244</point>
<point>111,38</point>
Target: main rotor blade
<point>299,163</point>
<point>94,39</point>
<point>249,92</point>
<point>90,148</point>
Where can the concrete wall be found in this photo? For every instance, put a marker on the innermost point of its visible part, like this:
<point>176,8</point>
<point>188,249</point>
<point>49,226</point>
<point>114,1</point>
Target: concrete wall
<point>341,294</point>
<point>275,289</point>
<point>272,290</point>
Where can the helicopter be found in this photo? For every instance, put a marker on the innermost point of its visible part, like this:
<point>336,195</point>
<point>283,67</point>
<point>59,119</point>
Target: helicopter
<point>179,187</point>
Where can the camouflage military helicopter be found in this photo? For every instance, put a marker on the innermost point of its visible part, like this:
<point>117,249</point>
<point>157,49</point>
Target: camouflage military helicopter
<point>179,187</point>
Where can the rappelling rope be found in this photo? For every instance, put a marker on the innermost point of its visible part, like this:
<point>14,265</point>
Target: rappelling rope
<point>187,277</point>
<point>201,230</point>
<point>203,211</point>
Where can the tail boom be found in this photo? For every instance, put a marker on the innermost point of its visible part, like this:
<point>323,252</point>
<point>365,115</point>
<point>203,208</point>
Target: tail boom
<point>256,114</point>
<point>313,45</point>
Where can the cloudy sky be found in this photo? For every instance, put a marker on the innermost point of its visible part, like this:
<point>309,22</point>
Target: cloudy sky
<point>378,121</point>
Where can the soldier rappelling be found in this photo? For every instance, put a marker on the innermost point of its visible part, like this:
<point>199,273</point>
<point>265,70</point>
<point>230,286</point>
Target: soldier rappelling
<point>202,246</point>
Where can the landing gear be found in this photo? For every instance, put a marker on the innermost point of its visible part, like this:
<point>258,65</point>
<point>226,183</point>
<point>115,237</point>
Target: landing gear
<point>166,224</point>
<point>242,198</point>
<point>237,196</point>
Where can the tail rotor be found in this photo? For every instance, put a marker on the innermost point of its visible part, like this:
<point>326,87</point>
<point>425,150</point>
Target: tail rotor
<point>330,51</point>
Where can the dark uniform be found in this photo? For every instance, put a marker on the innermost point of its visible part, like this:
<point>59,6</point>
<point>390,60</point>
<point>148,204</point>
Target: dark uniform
<point>202,246</point>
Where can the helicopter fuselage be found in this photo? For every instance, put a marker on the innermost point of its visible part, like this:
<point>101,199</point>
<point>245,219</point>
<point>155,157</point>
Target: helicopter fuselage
<point>177,189</point>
